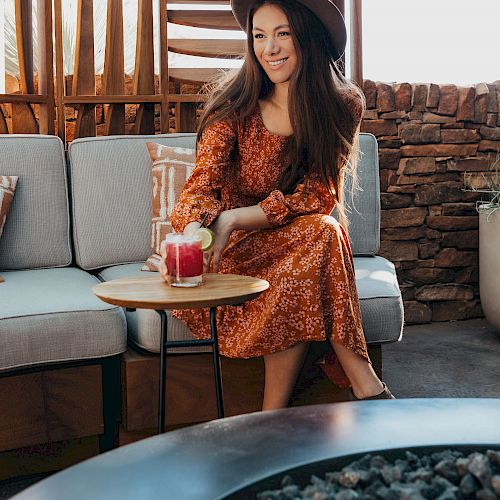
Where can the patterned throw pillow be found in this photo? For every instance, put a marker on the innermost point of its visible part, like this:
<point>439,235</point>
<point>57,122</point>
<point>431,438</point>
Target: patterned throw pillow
<point>8,185</point>
<point>171,169</point>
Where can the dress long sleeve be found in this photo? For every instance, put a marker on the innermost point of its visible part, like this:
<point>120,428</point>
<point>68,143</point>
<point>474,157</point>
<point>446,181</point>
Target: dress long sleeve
<point>201,195</point>
<point>309,197</point>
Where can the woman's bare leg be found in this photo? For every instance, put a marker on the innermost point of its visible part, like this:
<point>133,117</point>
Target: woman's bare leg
<point>281,371</point>
<point>364,381</point>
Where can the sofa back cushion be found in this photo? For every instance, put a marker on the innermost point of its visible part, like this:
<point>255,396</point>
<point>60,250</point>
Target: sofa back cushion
<point>363,204</point>
<point>36,233</point>
<point>111,185</point>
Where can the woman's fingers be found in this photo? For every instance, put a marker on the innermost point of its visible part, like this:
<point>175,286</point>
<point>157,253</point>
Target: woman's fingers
<point>206,261</point>
<point>216,259</point>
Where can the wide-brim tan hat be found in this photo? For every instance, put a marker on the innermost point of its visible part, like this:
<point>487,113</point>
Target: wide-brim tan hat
<point>325,10</point>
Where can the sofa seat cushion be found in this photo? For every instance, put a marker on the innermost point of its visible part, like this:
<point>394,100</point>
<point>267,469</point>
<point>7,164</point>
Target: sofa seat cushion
<point>144,327</point>
<point>380,299</point>
<point>51,315</point>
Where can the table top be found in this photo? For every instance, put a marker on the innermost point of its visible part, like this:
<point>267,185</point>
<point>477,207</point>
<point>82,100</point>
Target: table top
<point>152,292</point>
<point>218,458</point>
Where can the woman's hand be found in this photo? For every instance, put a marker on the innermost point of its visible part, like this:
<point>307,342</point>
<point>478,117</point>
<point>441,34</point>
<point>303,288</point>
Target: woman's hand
<point>223,226</point>
<point>163,265</point>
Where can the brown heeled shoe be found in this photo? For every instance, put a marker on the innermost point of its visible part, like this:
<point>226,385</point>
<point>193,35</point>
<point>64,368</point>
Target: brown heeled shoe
<point>385,394</point>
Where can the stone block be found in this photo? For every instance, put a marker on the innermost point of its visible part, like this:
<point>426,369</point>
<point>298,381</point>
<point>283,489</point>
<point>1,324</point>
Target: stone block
<point>478,164</point>
<point>420,92</point>
<point>420,134</point>
<point>385,98</point>
<point>432,234</point>
<point>403,96</point>
<point>492,98</point>
<point>394,115</point>
<point>451,257</point>
<point>405,189</point>
<point>416,313</point>
<point>459,209</point>
<point>370,114</point>
<point>370,91</point>
<point>449,291</point>
<point>456,310</point>
<point>415,116</point>
<point>423,179</point>
<point>491,119</point>
<point>421,165</point>
<point>466,97</point>
<point>387,178</point>
<point>434,118</point>
<point>433,96</point>
<point>490,133</point>
<point>390,142</point>
<point>448,100</point>
<point>461,239</point>
<point>397,251</point>
<point>403,217</point>
<point>392,200</point>
<point>389,158</point>
<point>403,233</point>
<point>481,103</point>
<point>457,136</point>
<point>460,150</point>
<point>407,292</point>
<point>467,275</point>
<point>429,275</point>
<point>437,193</point>
<point>453,222</point>
<point>379,127</point>
<point>428,250</point>
<point>485,145</point>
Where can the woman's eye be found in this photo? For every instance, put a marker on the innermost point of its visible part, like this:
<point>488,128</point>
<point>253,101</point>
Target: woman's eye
<point>284,33</point>
<point>258,35</point>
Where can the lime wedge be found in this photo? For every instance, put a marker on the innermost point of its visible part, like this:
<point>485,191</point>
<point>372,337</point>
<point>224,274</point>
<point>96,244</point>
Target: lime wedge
<point>207,237</point>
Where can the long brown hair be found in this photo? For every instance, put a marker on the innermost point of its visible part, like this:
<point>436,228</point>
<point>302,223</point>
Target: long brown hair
<point>324,139</point>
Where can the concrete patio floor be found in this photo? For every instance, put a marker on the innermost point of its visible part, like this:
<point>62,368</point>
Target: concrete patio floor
<point>450,359</point>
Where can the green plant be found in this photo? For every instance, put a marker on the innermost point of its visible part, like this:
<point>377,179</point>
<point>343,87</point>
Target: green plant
<point>485,183</point>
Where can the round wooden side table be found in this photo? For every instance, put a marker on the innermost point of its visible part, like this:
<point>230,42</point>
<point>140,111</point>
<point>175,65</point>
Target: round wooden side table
<point>152,292</point>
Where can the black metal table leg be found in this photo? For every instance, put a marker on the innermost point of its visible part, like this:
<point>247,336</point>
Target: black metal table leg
<point>163,371</point>
<point>216,362</point>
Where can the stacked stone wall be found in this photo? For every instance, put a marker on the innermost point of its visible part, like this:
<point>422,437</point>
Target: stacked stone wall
<point>429,136</point>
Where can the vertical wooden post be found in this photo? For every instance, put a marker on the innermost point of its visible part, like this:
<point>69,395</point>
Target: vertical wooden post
<point>114,70</point>
<point>45,66</point>
<point>164,87</point>
<point>84,69</point>
<point>60,87</point>
<point>341,6</point>
<point>23,118</point>
<point>356,43</point>
<point>144,74</point>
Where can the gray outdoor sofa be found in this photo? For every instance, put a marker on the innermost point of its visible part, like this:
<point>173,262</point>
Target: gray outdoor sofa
<point>84,218</point>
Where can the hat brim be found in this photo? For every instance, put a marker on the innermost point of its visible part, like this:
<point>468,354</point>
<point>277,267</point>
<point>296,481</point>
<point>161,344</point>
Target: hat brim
<point>325,10</point>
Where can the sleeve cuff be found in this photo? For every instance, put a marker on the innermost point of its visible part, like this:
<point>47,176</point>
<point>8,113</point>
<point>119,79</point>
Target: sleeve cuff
<point>274,208</point>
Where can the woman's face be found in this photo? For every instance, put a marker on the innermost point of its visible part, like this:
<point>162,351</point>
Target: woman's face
<point>272,43</point>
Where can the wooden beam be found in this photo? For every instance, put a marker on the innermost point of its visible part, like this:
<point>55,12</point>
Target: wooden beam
<point>197,75</point>
<point>131,99</point>
<point>60,87</point>
<point>356,43</point>
<point>164,74</point>
<point>227,48</point>
<point>23,118</point>
<point>25,98</point>
<point>144,74</point>
<point>211,19</point>
<point>46,66</point>
<point>84,68</point>
<point>114,67</point>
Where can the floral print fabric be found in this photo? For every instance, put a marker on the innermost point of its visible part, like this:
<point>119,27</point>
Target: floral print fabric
<point>305,255</point>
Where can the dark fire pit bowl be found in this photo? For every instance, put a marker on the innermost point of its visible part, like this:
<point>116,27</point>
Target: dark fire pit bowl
<point>228,458</point>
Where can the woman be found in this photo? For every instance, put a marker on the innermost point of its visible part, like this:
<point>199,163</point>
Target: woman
<point>273,147</point>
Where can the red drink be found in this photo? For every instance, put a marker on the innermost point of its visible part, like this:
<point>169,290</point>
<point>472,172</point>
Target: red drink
<point>184,260</point>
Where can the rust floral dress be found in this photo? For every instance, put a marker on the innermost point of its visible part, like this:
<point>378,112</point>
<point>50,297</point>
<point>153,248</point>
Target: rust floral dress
<point>305,255</point>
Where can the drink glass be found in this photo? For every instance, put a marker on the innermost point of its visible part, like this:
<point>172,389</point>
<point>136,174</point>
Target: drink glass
<point>184,260</point>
